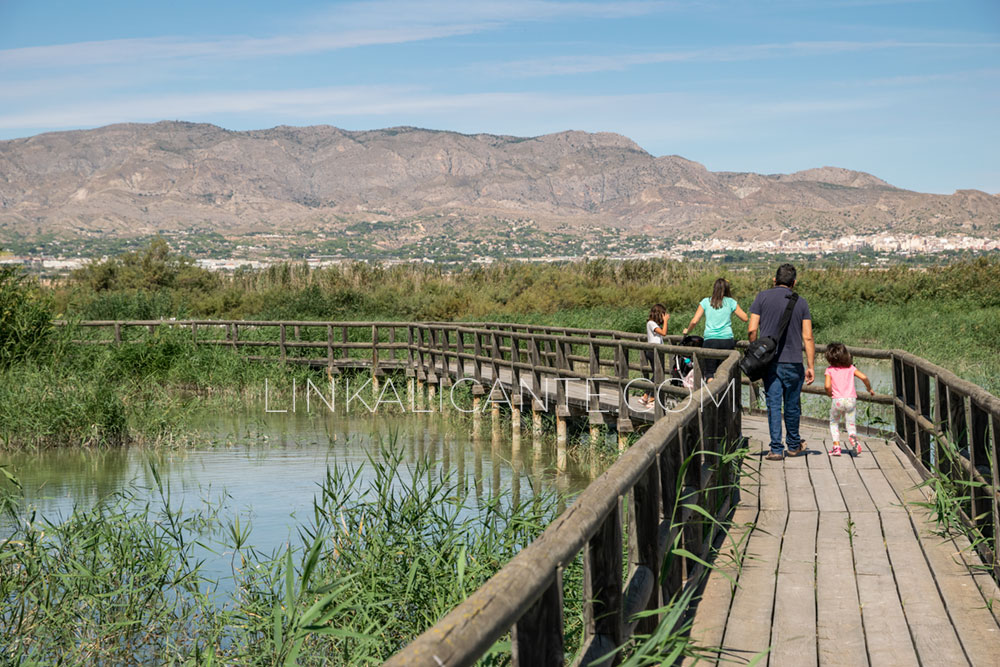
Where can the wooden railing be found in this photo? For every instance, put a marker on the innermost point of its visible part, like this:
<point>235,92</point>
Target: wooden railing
<point>632,507</point>
<point>946,425</point>
<point>951,427</point>
<point>376,345</point>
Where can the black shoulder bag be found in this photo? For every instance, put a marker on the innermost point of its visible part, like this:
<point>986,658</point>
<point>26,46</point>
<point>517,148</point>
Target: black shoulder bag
<point>762,352</point>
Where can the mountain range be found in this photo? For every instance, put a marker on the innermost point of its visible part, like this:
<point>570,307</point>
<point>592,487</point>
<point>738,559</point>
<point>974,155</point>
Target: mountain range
<point>140,179</point>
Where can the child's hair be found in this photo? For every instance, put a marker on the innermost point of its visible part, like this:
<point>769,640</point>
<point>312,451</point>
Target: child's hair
<point>720,290</point>
<point>657,312</point>
<point>838,356</point>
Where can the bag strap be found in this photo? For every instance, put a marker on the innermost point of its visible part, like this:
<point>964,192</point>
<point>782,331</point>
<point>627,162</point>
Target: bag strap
<point>786,317</point>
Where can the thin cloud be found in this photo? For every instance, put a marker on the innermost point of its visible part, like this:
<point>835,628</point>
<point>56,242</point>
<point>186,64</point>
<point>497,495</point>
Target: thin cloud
<point>354,25</point>
<point>922,79</point>
<point>169,48</point>
<point>438,12</point>
<point>564,65</point>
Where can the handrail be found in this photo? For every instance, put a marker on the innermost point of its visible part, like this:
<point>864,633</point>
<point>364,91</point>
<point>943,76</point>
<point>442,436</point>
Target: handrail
<point>525,596</point>
<point>944,424</point>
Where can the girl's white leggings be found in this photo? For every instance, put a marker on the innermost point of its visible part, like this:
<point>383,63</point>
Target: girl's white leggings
<point>843,407</point>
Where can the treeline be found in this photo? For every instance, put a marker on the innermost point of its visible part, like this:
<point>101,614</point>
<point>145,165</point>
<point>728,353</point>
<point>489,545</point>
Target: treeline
<point>54,392</point>
<point>155,282</point>
<point>949,314</point>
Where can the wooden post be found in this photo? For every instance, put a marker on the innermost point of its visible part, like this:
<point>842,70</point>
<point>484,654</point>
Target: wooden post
<point>495,469</point>
<point>432,346</point>
<point>562,403</point>
<point>409,348</point>
<point>535,359</point>
<point>691,485</point>
<point>537,637</point>
<point>118,333</point>
<point>897,392</point>
<point>235,335</point>
<point>495,356</point>
<point>622,372</point>
<point>593,385</point>
<point>329,347</point>
<point>194,332</point>
<point>495,414</point>
<point>375,358</point>
<point>477,351</point>
<point>477,410</point>
<point>995,495</point>
<point>911,399</point>
<point>942,418</point>
<point>922,394</point>
<point>297,332</point>
<point>602,589</point>
<point>670,485</point>
<point>561,415</point>
<point>658,379</point>
<point>281,333</point>
<point>978,420</point>
<point>459,351</point>
<point>644,533</point>
<point>595,434</point>
<point>515,424</point>
<point>515,372</point>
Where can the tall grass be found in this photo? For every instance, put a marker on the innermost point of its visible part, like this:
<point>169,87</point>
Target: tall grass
<point>138,392</point>
<point>946,313</point>
<point>124,582</point>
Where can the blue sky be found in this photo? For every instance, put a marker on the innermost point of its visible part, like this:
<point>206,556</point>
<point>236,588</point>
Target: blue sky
<point>906,89</point>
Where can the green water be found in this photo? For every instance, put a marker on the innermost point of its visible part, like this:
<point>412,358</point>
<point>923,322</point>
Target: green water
<point>266,468</point>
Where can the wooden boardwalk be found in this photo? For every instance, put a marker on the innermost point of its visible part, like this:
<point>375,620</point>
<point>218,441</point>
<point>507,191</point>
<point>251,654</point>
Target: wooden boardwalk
<point>835,563</point>
<point>831,561</point>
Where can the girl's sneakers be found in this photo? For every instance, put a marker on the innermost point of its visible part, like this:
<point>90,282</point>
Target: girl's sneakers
<point>855,444</point>
<point>836,449</point>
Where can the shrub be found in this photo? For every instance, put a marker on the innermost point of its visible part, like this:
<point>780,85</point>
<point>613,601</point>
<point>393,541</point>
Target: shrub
<point>25,318</point>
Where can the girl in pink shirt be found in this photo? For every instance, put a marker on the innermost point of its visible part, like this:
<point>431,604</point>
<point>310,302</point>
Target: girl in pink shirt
<point>839,386</point>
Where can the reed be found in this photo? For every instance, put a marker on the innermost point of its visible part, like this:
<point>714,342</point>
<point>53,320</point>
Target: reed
<point>374,564</point>
<point>124,582</point>
<point>946,313</point>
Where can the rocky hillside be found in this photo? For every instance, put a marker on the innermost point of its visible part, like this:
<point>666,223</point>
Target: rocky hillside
<point>137,179</point>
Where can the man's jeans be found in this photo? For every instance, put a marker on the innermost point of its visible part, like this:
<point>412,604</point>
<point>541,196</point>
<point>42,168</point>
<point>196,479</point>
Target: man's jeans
<point>783,384</point>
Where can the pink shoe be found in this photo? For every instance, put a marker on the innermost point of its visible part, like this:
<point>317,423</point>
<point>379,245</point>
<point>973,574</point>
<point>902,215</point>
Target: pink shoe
<point>835,451</point>
<point>856,444</point>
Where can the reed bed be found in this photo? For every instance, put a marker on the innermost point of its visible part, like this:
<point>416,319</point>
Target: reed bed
<point>374,564</point>
<point>948,314</point>
<point>124,581</point>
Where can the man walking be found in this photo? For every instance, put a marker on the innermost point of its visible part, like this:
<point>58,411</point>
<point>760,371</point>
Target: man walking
<point>783,380</point>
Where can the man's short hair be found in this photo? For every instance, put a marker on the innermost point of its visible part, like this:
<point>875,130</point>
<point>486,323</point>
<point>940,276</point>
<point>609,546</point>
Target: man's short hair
<point>785,275</point>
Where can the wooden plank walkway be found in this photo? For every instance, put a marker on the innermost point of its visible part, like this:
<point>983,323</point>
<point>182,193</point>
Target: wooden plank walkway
<point>835,564</point>
<point>835,561</point>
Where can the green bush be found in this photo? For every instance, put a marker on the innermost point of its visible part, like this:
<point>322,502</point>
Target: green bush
<point>25,318</point>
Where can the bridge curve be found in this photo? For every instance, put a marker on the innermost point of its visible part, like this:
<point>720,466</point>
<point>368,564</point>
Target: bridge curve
<point>826,561</point>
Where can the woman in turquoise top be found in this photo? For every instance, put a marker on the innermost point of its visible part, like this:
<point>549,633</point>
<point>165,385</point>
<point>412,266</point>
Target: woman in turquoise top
<point>718,311</point>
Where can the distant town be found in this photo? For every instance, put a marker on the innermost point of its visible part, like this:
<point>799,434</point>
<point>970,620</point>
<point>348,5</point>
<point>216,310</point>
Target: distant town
<point>863,249</point>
